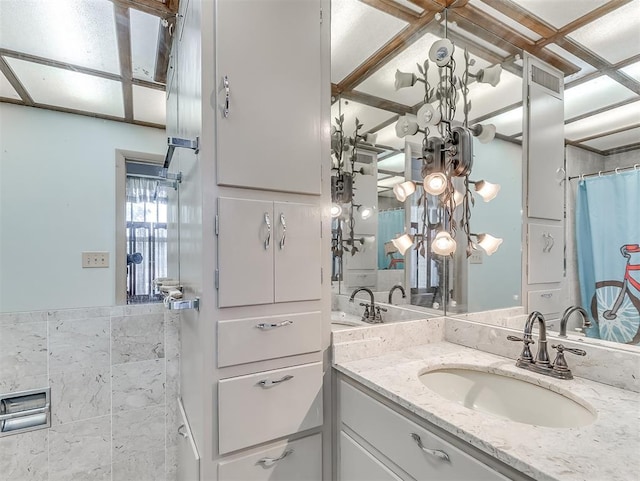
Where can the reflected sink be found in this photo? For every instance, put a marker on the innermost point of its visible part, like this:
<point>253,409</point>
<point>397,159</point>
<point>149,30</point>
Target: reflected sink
<point>345,319</point>
<point>507,397</point>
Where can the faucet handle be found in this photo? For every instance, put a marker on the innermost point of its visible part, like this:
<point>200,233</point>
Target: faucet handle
<point>383,309</point>
<point>525,340</point>
<point>561,348</point>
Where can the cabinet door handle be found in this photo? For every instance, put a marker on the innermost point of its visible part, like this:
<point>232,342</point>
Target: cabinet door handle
<point>433,452</point>
<point>182,432</point>
<point>267,221</point>
<point>268,462</point>
<point>266,326</point>
<point>265,383</point>
<point>227,97</point>
<point>284,230</point>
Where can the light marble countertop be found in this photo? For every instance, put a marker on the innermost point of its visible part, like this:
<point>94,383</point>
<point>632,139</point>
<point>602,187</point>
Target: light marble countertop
<point>606,450</point>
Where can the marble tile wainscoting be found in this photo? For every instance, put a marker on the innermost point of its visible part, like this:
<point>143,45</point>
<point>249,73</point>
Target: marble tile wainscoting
<point>114,378</point>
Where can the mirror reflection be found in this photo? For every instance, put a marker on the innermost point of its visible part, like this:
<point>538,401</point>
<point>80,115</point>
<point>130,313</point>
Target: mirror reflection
<point>435,110</point>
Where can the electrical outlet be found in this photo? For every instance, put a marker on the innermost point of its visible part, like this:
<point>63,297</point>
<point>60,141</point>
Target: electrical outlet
<point>476,257</point>
<point>95,259</point>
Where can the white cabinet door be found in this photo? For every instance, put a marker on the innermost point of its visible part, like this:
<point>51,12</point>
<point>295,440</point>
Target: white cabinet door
<point>270,54</point>
<point>298,252</point>
<point>299,460</point>
<point>259,407</point>
<point>545,253</point>
<point>358,464</point>
<point>245,252</point>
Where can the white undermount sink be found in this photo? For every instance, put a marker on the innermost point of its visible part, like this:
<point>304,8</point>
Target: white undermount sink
<point>345,319</point>
<point>507,397</point>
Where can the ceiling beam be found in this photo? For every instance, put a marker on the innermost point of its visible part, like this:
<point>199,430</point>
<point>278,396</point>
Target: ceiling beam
<point>522,16</point>
<point>622,149</point>
<point>85,113</point>
<point>402,40</point>
<point>608,132</point>
<point>63,65</point>
<point>123,36</point>
<point>15,82</point>
<point>393,9</point>
<point>580,146</point>
<point>600,110</point>
<point>377,102</point>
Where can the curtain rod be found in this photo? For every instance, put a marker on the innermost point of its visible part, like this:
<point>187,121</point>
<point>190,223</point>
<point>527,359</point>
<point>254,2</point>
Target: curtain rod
<point>600,173</point>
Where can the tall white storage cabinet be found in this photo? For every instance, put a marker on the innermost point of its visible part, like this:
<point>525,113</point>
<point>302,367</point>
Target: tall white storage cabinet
<point>255,361</point>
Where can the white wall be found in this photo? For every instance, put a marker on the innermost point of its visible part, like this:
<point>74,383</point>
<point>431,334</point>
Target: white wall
<point>57,199</point>
<point>496,282</point>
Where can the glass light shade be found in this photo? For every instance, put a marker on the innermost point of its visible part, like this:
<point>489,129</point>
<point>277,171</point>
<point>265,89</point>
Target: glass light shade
<point>484,133</point>
<point>336,210</point>
<point>428,116</point>
<point>404,190</point>
<point>404,79</point>
<point>402,243</point>
<point>441,52</point>
<point>368,242</point>
<point>435,183</point>
<point>371,138</point>
<point>443,244</point>
<point>490,75</point>
<point>487,190</point>
<point>489,243</point>
<point>366,212</point>
<point>406,126</point>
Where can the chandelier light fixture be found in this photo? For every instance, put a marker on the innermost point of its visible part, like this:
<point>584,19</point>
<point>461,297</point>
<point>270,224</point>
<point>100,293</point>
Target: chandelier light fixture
<point>447,155</point>
<point>344,210</point>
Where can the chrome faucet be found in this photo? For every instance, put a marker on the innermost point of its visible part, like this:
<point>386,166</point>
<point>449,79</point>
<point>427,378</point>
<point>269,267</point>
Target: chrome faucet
<point>541,364</point>
<point>371,311</point>
<point>397,286</point>
<point>565,317</point>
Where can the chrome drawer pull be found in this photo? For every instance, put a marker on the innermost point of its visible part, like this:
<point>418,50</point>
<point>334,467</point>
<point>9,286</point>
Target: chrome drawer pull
<point>268,382</point>
<point>433,452</point>
<point>284,230</point>
<point>268,462</point>
<point>227,100</point>
<point>265,326</point>
<point>267,221</point>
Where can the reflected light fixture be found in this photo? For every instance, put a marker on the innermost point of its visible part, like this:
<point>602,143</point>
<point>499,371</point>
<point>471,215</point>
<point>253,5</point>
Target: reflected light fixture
<point>443,244</point>
<point>365,212</point>
<point>336,210</point>
<point>435,183</point>
<point>402,243</point>
<point>486,190</point>
<point>489,243</point>
<point>448,153</point>
<point>404,190</point>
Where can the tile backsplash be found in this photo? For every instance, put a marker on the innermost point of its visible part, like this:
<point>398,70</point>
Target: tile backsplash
<point>114,378</point>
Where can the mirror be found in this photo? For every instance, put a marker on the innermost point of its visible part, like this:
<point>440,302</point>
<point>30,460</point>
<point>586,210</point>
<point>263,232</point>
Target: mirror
<point>437,283</point>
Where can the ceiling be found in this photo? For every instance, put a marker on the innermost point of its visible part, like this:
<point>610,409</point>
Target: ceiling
<point>102,58</point>
<point>109,59</point>
<point>594,43</point>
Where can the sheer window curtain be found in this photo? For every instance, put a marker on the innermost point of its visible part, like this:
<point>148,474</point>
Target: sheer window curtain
<point>146,205</point>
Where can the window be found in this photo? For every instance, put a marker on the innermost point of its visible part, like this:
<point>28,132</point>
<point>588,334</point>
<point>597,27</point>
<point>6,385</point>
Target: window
<point>146,232</point>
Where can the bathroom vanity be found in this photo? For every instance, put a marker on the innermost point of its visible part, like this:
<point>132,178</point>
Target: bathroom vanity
<point>391,425</point>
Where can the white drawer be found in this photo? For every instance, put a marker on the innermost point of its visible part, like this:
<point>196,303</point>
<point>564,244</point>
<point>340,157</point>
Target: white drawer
<point>299,460</point>
<point>251,410</point>
<point>358,464</point>
<point>257,339</point>
<point>546,301</point>
<point>391,434</point>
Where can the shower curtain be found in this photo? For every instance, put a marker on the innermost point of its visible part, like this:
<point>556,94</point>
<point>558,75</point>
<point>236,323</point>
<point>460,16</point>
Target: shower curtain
<point>608,247</point>
<point>390,225</point>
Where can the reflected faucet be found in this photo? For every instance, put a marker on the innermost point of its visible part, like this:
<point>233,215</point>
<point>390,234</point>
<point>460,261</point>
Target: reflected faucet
<point>565,317</point>
<point>397,286</point>
<point>373,315</point>
<point>559,368</point>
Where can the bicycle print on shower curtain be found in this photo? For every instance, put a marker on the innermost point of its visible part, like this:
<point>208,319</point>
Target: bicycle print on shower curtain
<point>608,245</point>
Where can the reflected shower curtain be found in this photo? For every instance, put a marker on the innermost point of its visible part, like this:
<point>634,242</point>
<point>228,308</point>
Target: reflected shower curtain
<point>608,246</point>
<point>390,225</point>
